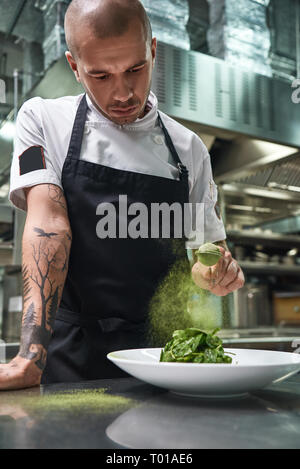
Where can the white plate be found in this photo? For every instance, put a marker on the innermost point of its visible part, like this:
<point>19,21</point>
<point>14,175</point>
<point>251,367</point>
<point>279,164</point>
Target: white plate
<point>250,370</point>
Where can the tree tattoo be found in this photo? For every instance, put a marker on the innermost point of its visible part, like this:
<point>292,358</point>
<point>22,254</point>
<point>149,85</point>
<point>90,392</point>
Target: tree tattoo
<point>26,284</point>
<point>43,280</point>
<point>56,195</point>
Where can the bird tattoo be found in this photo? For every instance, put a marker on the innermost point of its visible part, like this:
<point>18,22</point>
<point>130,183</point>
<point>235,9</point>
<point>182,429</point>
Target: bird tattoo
<point>43,234</point>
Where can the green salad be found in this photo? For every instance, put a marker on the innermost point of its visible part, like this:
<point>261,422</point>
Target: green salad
<point>194,346</point>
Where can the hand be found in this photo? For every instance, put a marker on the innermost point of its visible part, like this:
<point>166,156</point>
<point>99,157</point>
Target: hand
<point>19,374</point>
<point>223,278</point>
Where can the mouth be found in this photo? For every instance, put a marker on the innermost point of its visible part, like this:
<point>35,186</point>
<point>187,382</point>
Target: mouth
<point>119,112</point>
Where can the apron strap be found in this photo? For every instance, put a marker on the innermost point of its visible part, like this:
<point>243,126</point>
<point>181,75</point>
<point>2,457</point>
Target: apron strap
<point>183,171</point>
<point>78,129</point>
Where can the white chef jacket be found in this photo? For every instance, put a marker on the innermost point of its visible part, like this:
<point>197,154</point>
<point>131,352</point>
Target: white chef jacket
<point>139,147</point>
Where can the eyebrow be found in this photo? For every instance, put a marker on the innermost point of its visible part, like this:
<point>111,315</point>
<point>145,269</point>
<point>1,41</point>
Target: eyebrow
<point>98,72</point>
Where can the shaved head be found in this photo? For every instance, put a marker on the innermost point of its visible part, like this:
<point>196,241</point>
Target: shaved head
<point>104,19</point>
<point>112,54</point>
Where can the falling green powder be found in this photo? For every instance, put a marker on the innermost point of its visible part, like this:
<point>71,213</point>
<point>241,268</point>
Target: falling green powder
<point>178,303</point>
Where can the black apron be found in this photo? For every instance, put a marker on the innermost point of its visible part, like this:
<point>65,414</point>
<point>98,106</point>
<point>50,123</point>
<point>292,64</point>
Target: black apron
<point>110,282</point>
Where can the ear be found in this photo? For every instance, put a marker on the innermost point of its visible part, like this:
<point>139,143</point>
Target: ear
<point>73,65</point>
<point>153,50</point>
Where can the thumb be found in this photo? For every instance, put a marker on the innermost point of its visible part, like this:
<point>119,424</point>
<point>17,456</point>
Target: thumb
<point>222,250</point>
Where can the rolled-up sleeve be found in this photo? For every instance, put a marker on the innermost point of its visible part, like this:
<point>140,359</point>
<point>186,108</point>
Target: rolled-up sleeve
<point>31,162</point>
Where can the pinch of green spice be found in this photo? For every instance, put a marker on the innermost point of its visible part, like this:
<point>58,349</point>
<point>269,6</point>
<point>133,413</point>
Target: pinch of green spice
<point>209,254</point>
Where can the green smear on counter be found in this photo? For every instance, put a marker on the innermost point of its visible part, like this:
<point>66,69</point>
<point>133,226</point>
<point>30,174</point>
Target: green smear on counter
<point>74,402</point>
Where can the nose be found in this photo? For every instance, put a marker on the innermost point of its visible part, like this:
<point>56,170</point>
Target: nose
<point>123,91</point>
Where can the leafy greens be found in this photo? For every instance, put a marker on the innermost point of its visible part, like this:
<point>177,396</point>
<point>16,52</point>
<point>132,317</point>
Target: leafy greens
<point>195,346</point>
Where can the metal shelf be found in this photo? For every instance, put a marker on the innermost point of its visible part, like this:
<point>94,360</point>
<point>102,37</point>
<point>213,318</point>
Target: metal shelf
<point>252,237</point>
<point>269,268</point>
<point>260,331</point>
<point>10,350</point>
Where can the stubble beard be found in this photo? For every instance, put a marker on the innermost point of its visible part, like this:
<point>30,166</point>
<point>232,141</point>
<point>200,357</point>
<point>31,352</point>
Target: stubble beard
<point>125,121</point>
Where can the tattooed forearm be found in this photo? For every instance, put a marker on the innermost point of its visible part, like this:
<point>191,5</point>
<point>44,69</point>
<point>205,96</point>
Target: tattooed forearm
<point>45,265</point>
<point>56,195</point>
<point>34,338</point>
<point>26,284</point>
<point>43,234</point>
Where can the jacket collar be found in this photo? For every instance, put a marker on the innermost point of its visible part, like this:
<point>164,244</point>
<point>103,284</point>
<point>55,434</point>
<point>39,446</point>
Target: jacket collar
<point>146,122</point>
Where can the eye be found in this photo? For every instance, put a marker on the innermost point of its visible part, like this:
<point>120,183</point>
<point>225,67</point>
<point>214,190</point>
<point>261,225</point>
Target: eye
<point>135,70</point>
<point>103,77</point>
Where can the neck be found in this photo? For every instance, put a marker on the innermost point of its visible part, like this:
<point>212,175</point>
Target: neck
<point>146,109</point>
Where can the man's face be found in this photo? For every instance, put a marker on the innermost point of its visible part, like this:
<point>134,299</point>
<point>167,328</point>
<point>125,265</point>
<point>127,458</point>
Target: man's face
<point>116,72</point>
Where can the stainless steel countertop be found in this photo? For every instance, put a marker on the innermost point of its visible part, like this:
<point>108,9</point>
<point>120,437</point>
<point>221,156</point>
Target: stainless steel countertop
<point>269,418</point>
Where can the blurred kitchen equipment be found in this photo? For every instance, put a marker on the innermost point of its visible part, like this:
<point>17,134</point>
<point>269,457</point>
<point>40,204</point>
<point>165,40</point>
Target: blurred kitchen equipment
<point>290,258</point>
<point>286,306</point>
<point>261,257</point>
<point>252,306</point>
<point>239,253</point>
<point>275,259</point>
<point>12,304</point>
<point>13,319</point>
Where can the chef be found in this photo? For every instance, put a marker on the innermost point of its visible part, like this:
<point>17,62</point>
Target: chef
<point>85,294</point>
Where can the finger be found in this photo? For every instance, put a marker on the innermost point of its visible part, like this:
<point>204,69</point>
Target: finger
<point>201,275</point>
<point>219,291</point>
<point>220,269</point>
<point>239,282</point>
<point>231,274</point>
<point>235,285</point>
<point>216,273</point>
<point>222,250</point>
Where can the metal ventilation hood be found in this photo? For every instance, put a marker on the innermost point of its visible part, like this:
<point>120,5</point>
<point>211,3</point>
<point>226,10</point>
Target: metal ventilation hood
<point>249,124</point>
<point>224,99</point>
<point>248,120</point>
